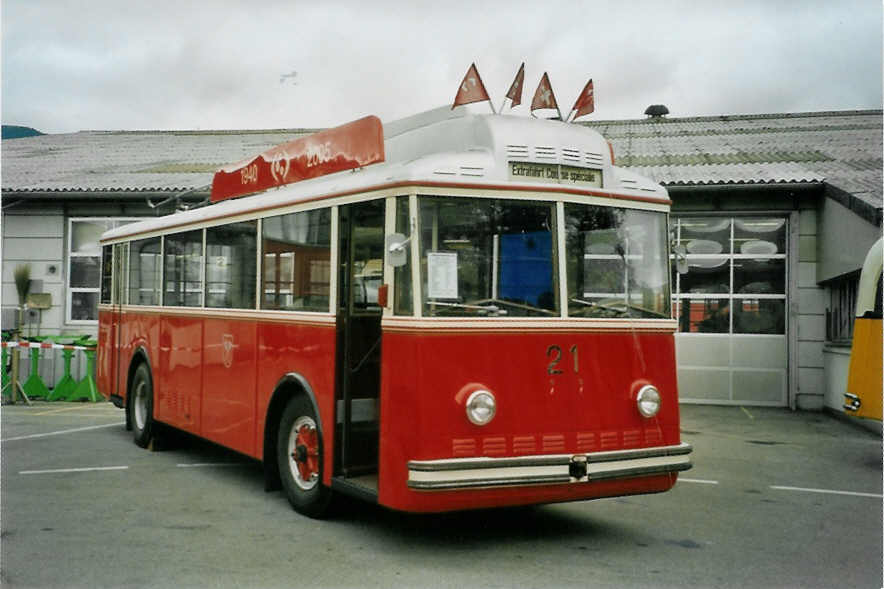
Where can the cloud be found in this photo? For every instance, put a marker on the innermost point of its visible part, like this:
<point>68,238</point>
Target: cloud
<point>165,65</point>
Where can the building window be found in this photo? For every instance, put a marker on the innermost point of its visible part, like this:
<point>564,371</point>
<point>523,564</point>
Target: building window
<point>84,266</point>
<point>736,280</point>
<point>841,309</point>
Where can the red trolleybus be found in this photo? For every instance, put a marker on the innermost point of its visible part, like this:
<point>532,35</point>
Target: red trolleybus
<point>452,311</point>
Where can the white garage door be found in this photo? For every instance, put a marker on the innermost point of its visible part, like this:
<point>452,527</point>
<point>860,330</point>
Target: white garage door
<point>731,308</point>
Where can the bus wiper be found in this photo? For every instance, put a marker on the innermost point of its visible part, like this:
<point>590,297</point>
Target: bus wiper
<point>492,310</point>
<point>620,307</point>
<point>607,307</point>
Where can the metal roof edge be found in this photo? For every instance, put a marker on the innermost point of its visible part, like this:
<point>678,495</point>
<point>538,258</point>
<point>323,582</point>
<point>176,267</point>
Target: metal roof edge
<point>804,187</point>
<point>114,194</point>
<point>858,206</point>
<point>743,117</point>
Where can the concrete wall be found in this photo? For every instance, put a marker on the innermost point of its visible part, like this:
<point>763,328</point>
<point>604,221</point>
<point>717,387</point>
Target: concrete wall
<point>35,235</point>
<point>844,240</point>
<point>811,316</point>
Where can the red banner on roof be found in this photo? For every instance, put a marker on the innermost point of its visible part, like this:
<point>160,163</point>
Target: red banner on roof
<point>543,96</point>
<point>349,146</point>
<point>515,91</point>
<point>585,103</point>
<point>471,89</point>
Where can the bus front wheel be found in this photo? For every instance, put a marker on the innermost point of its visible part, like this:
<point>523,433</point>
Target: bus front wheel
<point>299,455</point>
<point>141,406</point>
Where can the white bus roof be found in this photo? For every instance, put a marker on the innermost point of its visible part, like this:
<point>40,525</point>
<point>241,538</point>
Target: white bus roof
<point>450,148</point>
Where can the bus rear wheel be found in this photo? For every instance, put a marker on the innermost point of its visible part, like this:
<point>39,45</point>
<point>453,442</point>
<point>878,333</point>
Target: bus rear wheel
<point>299,456</point>
<point>140,406</point>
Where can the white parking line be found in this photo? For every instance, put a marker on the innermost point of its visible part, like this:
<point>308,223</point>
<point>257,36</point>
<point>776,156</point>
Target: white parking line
<point>58,433</point>
<point>827,491</point>
<point>64,470</point>
<point>202,464</point>
<point>698,481</point>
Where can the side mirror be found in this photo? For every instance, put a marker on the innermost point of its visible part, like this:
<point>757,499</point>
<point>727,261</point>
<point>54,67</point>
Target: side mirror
<point>395,244</point>
<point>681,259</point>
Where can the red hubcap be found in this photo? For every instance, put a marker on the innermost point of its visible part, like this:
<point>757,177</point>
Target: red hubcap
<point>306,454</point>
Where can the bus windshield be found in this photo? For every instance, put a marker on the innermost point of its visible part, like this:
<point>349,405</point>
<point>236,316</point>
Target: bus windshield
<point>487,257</point>
<point>498,257</point>
<point>617,262</point>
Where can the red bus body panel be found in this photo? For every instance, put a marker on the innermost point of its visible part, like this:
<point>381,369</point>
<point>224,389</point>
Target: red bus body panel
<point>214,377</point>
<point>538,413</point>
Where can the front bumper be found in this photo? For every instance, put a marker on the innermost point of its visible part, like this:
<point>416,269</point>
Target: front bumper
<point>467,473</point>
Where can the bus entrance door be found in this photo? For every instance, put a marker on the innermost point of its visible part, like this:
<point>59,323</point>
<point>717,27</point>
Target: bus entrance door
<point>360,273</point>
<point>120,268</point>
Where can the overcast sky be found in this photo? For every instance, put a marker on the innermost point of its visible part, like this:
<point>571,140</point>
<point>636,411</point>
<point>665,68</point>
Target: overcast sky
<point>201,64</point>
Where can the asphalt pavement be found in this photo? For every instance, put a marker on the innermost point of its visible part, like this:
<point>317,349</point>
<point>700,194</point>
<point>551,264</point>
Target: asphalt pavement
<point>775,499</point>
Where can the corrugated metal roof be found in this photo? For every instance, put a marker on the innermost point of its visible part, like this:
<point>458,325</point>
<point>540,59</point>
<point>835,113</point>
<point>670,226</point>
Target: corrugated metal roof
<point>842,148</point>
<point>138,161</point>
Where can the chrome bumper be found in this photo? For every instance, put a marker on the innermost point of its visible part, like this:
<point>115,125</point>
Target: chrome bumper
<point>465,473</point>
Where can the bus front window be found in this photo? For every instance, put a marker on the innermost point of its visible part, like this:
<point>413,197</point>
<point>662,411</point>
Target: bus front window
<point>487,257</point>
<point>617,262</point>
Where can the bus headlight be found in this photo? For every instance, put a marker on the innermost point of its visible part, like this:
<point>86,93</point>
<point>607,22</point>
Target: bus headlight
<point>648,400</point>
<point>481,407</point>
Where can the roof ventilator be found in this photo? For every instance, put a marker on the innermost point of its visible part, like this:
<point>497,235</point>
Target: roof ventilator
<point>571,155</point>
<point>593,159</point>
<point>517,152</point>
<point>471,171</point>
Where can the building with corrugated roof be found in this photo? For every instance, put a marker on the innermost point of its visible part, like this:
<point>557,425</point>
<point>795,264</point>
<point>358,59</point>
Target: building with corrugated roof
<point>776,213</point>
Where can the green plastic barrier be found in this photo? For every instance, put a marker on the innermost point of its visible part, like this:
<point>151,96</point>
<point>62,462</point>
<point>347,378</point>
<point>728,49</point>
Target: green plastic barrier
<point>5,377</point>
<point>67,385</point>
<point>86,388</point>
<point>34,386</point>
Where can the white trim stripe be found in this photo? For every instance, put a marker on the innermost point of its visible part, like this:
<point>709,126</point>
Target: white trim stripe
<point>318,317</point>
<point>540,324</point>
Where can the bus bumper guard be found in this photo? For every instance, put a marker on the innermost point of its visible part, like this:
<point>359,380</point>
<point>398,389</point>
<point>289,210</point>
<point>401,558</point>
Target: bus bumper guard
<point>465,473</point>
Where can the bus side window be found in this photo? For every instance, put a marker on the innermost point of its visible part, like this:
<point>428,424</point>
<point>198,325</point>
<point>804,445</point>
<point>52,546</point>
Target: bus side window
<point>144,272</point>
<point>403,304</point>
<point>106,273</point>
<point>231,268</point>
<point>182,269</point>
<point>296,268</point>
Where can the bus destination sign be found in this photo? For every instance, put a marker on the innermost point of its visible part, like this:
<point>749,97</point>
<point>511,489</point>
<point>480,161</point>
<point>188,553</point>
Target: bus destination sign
<point>556,173</point>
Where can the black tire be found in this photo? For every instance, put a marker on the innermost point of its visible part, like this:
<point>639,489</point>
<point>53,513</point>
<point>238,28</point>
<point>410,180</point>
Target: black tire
<point>300,460</point>
<point>140,406</point>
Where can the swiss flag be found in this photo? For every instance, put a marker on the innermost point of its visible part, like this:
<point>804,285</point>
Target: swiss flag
<point>585,103</point>
<point>543,96</point>
<point>471,89</point>
<point>515,91</point>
